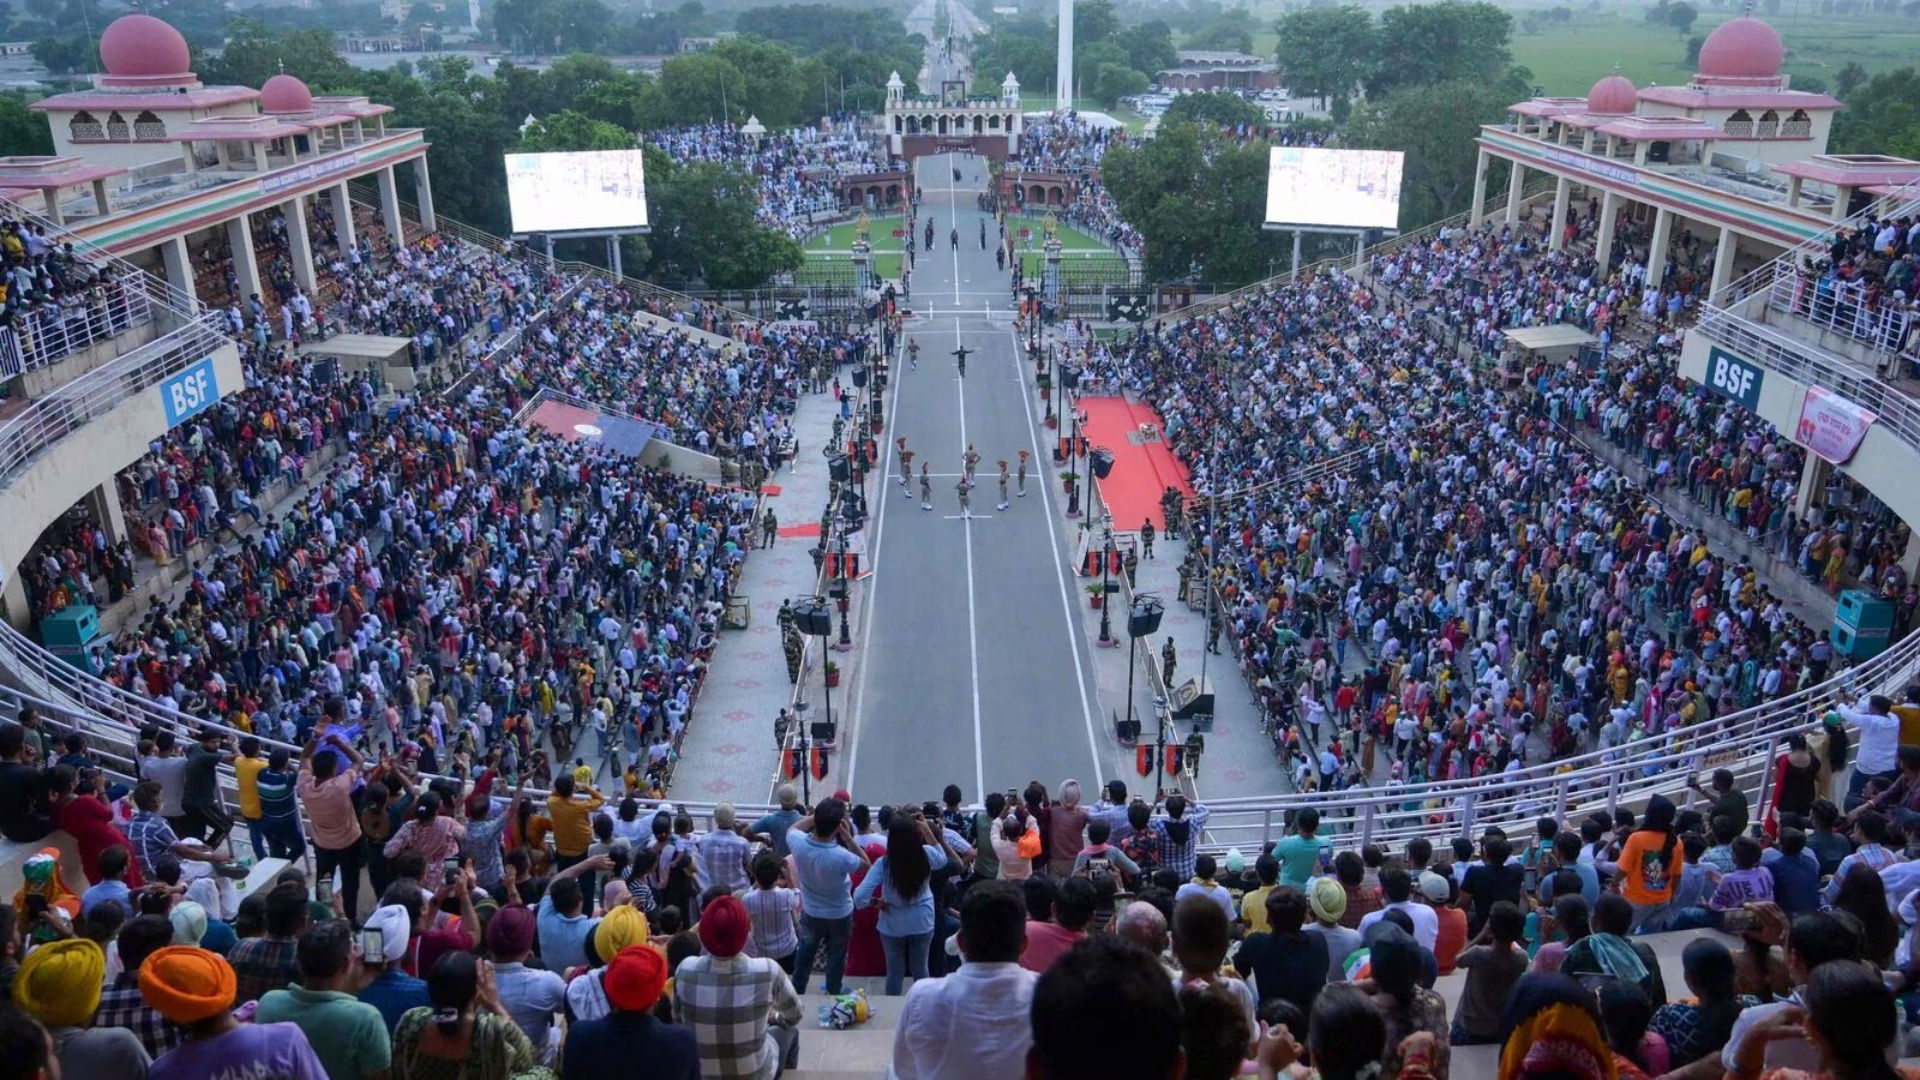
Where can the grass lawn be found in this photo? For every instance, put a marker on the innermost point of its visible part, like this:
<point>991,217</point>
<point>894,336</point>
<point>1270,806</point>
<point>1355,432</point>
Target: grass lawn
<point>840,237</point>
<point>1567,61</point>
<point>1111,265</point>
<point>814,271</point>
<point>1072,240</point>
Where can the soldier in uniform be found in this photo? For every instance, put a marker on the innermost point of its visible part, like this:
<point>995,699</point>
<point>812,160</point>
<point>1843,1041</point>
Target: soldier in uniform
<point>1130,566</point>
<point>769,528</point>
<point>1169,660</point>
<point>926,486</point>
<point>1146,537</point>
<point>1003,484</point>
<point>1023,473</point>
<point>913,353</point>
<point>965,488</point>
<point>972,461</point>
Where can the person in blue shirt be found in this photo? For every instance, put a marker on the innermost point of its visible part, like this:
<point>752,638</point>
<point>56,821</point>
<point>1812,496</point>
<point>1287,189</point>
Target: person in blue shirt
<point>902,882</point>
<point>111,889</point>
<point>773,828</point>
<point>1795,872</point>
<point>825,858</point>
<point>1303,854</point>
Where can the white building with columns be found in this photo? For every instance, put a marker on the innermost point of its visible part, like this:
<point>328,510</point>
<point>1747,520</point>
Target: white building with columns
<point>150,163</point>
<point>1736,155</point>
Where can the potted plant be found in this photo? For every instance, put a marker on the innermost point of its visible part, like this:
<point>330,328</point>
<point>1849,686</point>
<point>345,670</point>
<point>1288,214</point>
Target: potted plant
<point>833,673</point>
<point>1097,595</point>
<point>1068,479</point>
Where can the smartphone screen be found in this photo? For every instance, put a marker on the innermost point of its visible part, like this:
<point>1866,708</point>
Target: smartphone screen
<point>36,905</point>
<point>373,944</point>
<point>323,890</point>
<point>451,868</point>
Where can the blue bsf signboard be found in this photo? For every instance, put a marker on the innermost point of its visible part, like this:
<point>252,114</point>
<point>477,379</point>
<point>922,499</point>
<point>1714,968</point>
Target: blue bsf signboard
<point>1734,378</point>
<point>190,393</point>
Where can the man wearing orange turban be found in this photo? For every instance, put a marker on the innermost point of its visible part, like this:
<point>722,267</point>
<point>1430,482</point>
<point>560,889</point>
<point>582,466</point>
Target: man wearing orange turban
<point>606,1047</point>
<point>195,989</point>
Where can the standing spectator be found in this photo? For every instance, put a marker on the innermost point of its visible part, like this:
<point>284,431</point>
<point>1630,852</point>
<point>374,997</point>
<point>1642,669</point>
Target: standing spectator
<point>81,808</point>
<point>724,851</point>
<point>391,989</point>
<point>1076,1004</point>
<point>1179,834</point>
<point>630,1041</point>
<point>572,817</point>
<point>1066,827</point>
<point>773,908</point>
<point>168,769</point>
<point>246,774</point>
<point>59,984</point>
<point>1875,758</point>
<point>901,883</point>
<point>272,960</point>
<point>1494,962</point>
<point>743,1010</point>
<point>436,836</point>
<point>348,1036</point>
<point>326,793</point>
<point>200,801</point>
<point>23,810</point>
<point>1074,905</point>
<point>1303,854</point>
<point>772,829</point>
<point>565,918</point>
<point>195,989</point>
<point>1287,963</point>
<point>1650,864</point>
<point>280,807</point>
<point>974,1022</point>
<point>1494,880</point>
<point>825,859</point>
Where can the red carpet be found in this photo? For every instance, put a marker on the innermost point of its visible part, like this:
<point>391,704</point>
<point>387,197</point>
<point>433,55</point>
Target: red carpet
<point>1142,470</point>
<point>810,529</point>
<point>771,491</point>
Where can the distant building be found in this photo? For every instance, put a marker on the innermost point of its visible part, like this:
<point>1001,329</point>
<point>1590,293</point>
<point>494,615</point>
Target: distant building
<point>1203,70</point>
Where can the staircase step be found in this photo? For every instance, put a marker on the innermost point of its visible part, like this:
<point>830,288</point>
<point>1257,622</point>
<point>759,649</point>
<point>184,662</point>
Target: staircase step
<point>860,1050</point>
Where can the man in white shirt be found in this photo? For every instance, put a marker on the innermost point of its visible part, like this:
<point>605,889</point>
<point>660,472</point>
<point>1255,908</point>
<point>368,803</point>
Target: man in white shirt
<point>1879,742</point>
<point>974,1022</point>
<point>1396,885</point>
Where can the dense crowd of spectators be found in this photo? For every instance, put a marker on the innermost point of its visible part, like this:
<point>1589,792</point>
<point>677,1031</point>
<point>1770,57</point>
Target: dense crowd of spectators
<point>586,935</point>
<point>53,300</point>
<point>796,170</point>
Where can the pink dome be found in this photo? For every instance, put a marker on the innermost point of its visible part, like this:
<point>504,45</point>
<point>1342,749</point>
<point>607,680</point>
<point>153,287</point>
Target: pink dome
<point>284,94</point>
<point>1743,48</point>
<point>1612,96</point>
<point>143,47</point>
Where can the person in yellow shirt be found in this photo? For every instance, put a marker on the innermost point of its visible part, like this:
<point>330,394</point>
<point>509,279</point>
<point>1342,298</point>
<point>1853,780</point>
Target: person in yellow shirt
<point>246,770</point>
<point>572,820</point>
<point>1253,906</point>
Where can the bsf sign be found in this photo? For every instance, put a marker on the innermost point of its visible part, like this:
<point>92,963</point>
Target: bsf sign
<point>190,393</point>
<point>1733,378</point>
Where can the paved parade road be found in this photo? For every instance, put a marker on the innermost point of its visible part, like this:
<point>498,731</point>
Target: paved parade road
<point>976,670</point>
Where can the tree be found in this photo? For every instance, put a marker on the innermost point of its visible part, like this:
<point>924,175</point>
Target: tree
<point>1213,108</point>
<point>693,89</point>
<point>1426,44</point>
<point>568,130</point>
<point>1850,78</point>
<point>69,55</point>
<point>1681,16</point>
<point>1436,126</point>
<point>705,226</point>
<point>1198,196</point>
<point>1326,52</point>
<point>1113,82</point>
<point>254,53</point>
<point>773,91</point>
<point>23,131</point>
<point>1024,46</point>
<point>1882,116</point>
<point>1232,31</point>
<point>1694,44</point>
<point>1149,46</point>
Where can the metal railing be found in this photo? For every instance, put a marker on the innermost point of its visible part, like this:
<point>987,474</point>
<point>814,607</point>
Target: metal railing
<point>159,290</point>
<point>1802,361</point>
<point>35,340</point>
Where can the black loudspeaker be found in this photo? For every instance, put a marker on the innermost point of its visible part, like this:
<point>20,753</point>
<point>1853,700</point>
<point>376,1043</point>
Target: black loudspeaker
<point>1144,619</point>
<point>860,377</point>
<point>813,617</point>
<point>838,470</point>
<point>823,730</point>
<point>1102,461</point>
<point>1126,730</point>
<point>1069,377</point>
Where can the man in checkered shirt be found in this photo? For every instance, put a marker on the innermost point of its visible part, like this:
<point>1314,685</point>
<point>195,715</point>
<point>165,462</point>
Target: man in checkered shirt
<point>121,1004</point>
<point>743,1010</point>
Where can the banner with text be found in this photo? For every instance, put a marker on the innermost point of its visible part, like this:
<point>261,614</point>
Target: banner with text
<point>1832,426</point>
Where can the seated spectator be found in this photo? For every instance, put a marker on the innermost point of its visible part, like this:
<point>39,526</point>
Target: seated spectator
<point>974,1022</point>
<point>1075,1004</point>
<point>59,985</point>
<point>1396,886</point>
<point>463,1028</point>
<point>1746,883</point>
<point>1696,1028</point>
<point>531,995</point>
<point>1554,1030</point>
<point>348,1036</point>
<point>1568,924</point>
<point>389,988</point>
<point>23,807</point>
<point>1608,954</point>
<point>1215,1031</point>
<point>1203,885</point>
<point>197,990</point>
<point>1287,963</point>
<point>1847,1022</point>
<point>1812,941</point>
<point>1795,872</point>
<point>115,861</point>
<point>629,1041</point>
<point>1327,901</point>
<point>1408,1007</point>
<point>121,1005</point>
<point>743,1010</point>
<point>272,961</point>
<point>1638,1054</point>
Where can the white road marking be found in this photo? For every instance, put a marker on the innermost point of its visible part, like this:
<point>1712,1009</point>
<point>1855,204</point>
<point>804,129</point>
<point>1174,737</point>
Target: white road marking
<point>973,629</point>
<point>1074,633</point>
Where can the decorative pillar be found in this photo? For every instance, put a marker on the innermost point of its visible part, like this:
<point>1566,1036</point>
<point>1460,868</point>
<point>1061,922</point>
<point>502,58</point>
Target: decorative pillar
<point>1657,247</point>
<point>1603,240</point>
<point>245,269</point>
<point>177,262</point>
<point>1516,180</point>
<point>344,233</point>
<point>1063,73</point>
<point>1562,193</point>
<point>1813,486</point>
<point>1723,257</point>
<point>300,243</point>
<point>423,194</point>
<point>390,209</point>
<point>1474,215</point>
<point>104,502</point>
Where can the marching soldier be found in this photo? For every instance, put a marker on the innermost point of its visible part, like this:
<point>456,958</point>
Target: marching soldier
<point>1169,660</point>
<point>1003,484</point>
<point>913,353</point>
<point>1023,473</point>
<point>972,461</point>
<point>1146,537</point>
<point>962,353</point>
<point>1130,565</point>
<point>769,528</point>
<point>965,488</point>
<point>926,485</point>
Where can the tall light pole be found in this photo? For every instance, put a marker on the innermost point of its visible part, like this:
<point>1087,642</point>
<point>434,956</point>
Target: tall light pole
<point>1106,587</point>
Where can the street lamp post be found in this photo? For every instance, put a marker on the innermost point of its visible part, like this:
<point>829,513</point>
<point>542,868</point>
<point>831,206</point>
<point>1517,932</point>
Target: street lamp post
<point>1106,586</point>
<point>1073,463</point>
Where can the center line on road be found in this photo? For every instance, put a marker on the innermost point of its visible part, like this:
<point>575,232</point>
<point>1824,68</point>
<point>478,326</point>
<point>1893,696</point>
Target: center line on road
<point>973,629</point>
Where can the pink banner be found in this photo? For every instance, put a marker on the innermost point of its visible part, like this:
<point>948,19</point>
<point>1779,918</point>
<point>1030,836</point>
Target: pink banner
<point>1832,426</point>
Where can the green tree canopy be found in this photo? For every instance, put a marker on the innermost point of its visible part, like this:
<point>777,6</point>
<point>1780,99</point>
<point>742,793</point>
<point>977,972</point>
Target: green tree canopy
<point>568,130</point>
<point>1326,52</point>
<point>1199,198</point>
<point>1213,108</point>
<point>705,227</point>
<point>1231,31</point>
<point>1882,116</point>
<point>23,131</point>
<point>254,53</point>
<point>1436,127</point>
<point>1428,44</point>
